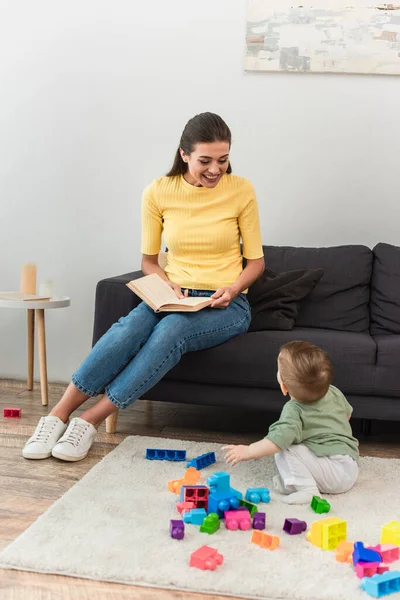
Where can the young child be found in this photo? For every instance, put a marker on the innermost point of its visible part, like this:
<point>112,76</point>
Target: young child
<point>313,444</point>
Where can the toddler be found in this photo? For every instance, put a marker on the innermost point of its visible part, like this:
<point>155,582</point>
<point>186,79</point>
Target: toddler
<point>315,451</point>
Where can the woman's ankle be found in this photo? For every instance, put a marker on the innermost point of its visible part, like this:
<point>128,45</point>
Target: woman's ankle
<point>55,413</point>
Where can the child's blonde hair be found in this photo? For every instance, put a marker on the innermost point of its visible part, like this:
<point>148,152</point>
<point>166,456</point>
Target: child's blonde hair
<point>305,370</point>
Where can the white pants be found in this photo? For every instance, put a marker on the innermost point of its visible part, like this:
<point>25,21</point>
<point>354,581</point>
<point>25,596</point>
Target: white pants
<point>301,469</point>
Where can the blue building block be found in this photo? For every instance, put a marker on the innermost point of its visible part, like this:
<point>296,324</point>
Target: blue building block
<point>382,585</point>
<point>365,554</point>
<point>195,516</point>
<point>222,497</point>
<point>256,495</point>
<point>158,454</point>
<point>202,461</point>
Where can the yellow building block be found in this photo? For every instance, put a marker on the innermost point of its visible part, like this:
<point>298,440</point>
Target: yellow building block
<point>391,533</point>
<point>327,533</point>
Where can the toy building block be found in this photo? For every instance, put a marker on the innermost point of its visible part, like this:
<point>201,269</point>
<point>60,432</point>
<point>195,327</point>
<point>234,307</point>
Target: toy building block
<point>198,494</point>
<point>320,505</point>
<point>183,507</point>
<point>265,540</point>
<point>237,519</point>
<point>294,526</point>
<point>327,533</point>
<point>202,461</point>
<point>256,495</point>
<point>344,551</point>
<point>206,558</point>
<point>158,454</point>
<point>259,520</point>
<point>210,524</point>
<point>219,502</point>
<point>382,585</point>
<point>12,413</point>
<point>391,533</point>
<point>365,554</point>
<point>368,569</point>
<point>176,529</point>
<point>388,552</point>
<point>219,482</point>
<point>191,477</point>
<point>195,516</point>
<point>252,508</point>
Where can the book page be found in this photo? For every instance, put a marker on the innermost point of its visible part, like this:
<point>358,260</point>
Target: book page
<point>154,288</point>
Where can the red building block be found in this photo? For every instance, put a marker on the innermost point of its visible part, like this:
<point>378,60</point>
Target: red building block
<point>12,413</point>
<point>198,494</point>
<point>206,558</point>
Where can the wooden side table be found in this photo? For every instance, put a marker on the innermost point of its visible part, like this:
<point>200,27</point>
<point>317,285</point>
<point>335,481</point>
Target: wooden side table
<point>37,308</point>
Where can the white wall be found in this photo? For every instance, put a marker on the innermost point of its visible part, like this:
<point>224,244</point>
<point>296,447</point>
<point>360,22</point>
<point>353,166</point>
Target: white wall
<point>93,98</point>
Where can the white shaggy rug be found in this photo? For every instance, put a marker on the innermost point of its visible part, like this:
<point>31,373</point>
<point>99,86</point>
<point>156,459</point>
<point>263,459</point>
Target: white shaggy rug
<point>114,526</point>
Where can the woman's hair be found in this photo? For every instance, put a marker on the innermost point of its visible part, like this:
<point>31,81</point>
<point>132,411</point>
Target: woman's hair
<point>306,371</point>
<point>204,128</point>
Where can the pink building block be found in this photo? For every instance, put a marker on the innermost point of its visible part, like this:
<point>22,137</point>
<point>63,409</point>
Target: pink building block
<point>369,569</point>
<point>388,552</point>
<point>206,558</point>
<point>183,507</point>
<point>237,519</point>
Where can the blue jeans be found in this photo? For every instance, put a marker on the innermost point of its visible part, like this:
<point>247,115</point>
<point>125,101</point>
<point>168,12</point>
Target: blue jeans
<point>138,350</point>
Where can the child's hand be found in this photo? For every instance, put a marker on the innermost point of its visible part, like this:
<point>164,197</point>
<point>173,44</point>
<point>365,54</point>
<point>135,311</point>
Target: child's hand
<point>236,454</point>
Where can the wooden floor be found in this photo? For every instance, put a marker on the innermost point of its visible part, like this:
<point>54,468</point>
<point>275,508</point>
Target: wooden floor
<point>28,488</point>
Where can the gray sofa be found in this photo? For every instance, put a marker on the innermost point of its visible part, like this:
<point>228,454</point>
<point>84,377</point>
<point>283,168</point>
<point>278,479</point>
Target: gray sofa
<point>353,313</point>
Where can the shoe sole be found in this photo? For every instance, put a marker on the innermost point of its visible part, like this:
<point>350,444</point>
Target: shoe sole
<point>36,456</point>
<point>69,458</point>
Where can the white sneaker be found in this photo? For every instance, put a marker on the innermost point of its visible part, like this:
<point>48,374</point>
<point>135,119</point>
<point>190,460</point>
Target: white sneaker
<point>47,433</point>
<point>76,441</point>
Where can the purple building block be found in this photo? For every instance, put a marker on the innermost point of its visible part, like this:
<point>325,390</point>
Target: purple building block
<point>176,529</point>
<point>259,520</point>
<point>294,526</point>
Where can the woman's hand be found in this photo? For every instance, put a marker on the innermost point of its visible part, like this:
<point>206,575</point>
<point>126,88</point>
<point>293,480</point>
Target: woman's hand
<point>177,289</point>
<point>236,454</point>
<point>223,297</point>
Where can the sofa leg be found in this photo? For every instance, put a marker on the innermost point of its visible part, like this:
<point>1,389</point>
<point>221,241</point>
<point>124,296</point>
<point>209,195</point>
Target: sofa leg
<point>111,422</point>
<point>366,426</point>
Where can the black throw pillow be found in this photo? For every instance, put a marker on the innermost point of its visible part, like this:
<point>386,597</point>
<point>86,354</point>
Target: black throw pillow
<point>273,298</point>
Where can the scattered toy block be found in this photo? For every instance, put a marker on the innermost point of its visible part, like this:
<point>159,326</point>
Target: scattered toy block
<point>265,540</point>
<point>210,524</point>
<point>259,520</point>
<point>320,505</point>
<point>12,413</point>
<point>381,585</point>
<point>391,533</point>
<point>222,497</point>
<point>327,533</point>
<point>191,477</point>
<point>206,558</point>
<point>344,551</point>
<point>202,461</point>
<point>256,495</point>
<point>158,454</point>
<point>252,508</point>
<point>368,569</point>
<point>219,482</point>
<point>237,519</point>
<point>365,555</point>
<point>183,507</point>
<point>294,526</point>
<point>389,552</point>
<point>195,516</point>
<point>198,494</point>
<point>177,529</point>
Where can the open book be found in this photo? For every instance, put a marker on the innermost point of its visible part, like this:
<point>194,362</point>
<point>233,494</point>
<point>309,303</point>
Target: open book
<point>153,290</point>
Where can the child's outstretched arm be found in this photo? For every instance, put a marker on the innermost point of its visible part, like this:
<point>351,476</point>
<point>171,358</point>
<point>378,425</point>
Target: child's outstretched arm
<point>237,454</point>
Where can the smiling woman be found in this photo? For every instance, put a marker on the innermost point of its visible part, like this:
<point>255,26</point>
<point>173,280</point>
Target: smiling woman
<point>205,213</point>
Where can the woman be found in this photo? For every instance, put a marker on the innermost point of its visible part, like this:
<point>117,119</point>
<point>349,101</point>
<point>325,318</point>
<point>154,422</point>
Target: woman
<point>203,211</point>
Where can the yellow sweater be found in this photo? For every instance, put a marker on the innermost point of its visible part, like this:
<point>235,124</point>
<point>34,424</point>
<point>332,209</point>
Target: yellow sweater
<point>202,228</point>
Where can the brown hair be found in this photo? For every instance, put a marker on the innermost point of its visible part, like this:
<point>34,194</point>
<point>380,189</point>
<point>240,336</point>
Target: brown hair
<point>203,128</point>
<point>306,371</point>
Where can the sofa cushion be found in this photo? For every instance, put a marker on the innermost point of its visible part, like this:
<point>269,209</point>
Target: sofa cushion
<point>385,290</point>
<point>340,301</point>
<point>387,377</point>
<point>249,360</point>
<point>274,298</point>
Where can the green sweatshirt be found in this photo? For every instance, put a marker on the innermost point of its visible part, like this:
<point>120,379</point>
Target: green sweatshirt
<point>322,426</point>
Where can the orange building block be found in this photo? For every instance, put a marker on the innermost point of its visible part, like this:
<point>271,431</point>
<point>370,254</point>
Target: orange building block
<point>265,540</point>
<point>344,551</point>
<point>191,477</point>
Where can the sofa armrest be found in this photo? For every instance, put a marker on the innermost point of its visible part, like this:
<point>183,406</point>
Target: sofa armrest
<point>113,301</point>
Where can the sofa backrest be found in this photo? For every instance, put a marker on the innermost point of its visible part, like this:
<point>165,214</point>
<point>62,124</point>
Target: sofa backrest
<point>340,300</point>
<point>385,290</point>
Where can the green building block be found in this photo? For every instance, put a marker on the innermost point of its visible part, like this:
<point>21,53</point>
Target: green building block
<point>210,524</point>
<point>319,505</point>
<point>252,508</point>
